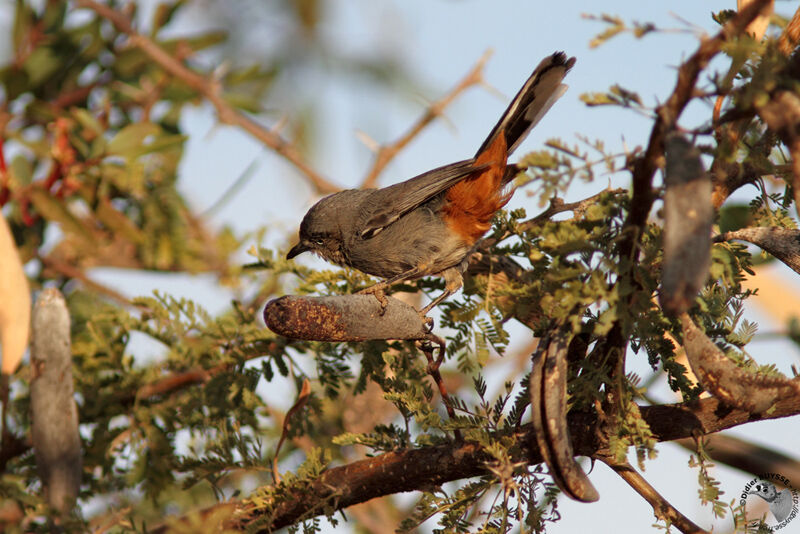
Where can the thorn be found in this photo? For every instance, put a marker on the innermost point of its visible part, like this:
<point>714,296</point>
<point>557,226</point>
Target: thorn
<point>368,142</point>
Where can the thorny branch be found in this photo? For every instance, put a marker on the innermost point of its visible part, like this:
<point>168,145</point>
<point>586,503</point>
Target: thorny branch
<point>385,153</point>
<point>408,470</point>
<point>210,89</point>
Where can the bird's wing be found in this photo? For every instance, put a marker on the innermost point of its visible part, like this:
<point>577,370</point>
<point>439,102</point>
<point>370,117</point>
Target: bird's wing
<point>387,205</point>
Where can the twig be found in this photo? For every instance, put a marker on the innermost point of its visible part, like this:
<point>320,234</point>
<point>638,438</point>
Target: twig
<point>556,206</point>
<point>78,274</point>
<point>210,89</point>
<point>386,153</point>
<point>661,506</point>
<point>302,399</point>
<point>177,381</point>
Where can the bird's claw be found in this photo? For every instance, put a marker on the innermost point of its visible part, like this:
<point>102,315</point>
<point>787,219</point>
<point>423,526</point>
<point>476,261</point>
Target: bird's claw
<point>379,294</point>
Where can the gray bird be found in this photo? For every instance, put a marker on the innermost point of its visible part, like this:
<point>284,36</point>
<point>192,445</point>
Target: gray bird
<point>429,224</point>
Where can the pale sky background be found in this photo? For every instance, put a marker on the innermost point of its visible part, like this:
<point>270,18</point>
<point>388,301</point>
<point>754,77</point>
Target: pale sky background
<point>439,41</point>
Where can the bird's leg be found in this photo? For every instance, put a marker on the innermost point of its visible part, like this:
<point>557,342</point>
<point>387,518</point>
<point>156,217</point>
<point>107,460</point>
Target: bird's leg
<point>452,283</point>
<point>379,289</point>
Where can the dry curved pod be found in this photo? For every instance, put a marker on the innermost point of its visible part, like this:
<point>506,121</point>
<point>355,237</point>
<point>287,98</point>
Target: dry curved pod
<point>54,429</point>
<point>548,389</point>
<point>725,380</point>
<point>688,216</point>
<point>783,243</point>
<point>15,312</point>
<point>343,318</point>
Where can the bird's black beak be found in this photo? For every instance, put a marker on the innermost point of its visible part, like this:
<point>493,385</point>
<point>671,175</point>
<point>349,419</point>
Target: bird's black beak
<point>297,249</point>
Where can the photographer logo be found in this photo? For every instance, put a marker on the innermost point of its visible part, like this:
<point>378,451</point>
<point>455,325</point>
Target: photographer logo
<point>780,496</point>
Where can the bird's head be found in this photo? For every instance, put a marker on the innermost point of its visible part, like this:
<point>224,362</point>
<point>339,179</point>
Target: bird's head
<point>320,231</point>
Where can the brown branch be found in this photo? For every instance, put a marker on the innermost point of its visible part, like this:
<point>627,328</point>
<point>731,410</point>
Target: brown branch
<point>177,381</point>
<point>386,153</point>
<point>720,376</point>
<point>210,89</point>
<point>410,470</point>
<point>661,507</point>
<point>783,243</point>
<point>728,176</point>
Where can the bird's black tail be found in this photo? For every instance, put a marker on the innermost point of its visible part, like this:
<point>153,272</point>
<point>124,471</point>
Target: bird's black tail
<point>540,91</point>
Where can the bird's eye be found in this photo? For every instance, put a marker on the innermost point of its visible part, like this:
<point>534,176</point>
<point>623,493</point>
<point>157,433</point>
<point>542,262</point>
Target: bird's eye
<point>319,242</point>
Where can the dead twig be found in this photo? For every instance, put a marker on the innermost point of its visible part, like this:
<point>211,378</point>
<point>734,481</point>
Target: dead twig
<point>386,153</point>
<point>78,274</point>
<point>662,508</point>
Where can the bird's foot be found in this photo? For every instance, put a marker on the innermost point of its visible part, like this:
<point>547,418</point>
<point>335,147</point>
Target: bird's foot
<point>427,320</point>
<point>378,290</point>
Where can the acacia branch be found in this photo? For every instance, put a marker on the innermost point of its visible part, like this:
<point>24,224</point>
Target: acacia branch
<point>386,153</point>
<point>210,89</point>
<point>410,470</point>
